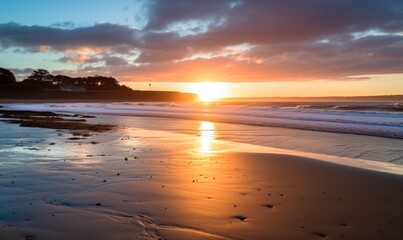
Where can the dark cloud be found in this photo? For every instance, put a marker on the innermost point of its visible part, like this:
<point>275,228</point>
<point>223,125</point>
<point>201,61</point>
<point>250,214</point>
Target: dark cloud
<point>99,35</point>
<point>21,73</point>
<point>288,40</point>
<point>277,22</point>
<point>163,13</point>
<point>114,61</point>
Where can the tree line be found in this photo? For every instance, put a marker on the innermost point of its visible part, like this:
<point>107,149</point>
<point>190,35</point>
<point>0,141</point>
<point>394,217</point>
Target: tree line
<point>41,78</point>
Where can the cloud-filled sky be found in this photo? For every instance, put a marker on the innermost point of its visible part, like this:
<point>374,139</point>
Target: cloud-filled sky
<point>199,40</point>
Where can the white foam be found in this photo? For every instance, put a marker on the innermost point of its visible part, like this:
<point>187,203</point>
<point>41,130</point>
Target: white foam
<point>383,124</point>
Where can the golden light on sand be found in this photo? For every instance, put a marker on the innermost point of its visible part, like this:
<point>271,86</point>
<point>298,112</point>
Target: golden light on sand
<point>207,135</point>
<point>209,91</point>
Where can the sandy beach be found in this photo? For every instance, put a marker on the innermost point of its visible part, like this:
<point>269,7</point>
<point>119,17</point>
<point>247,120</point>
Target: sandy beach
<point>144,183</point>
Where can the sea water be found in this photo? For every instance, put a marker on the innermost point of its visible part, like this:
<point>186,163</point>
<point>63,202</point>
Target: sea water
<point>366,131</point>
<point>374,119</point>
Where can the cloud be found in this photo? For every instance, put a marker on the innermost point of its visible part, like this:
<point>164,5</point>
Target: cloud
<point>99,35</point>
<point>163,13</point>
<point>21,73</point>
<point>65,24</point>
<point>231,40</point>
<point>268,22</point>
<point>114,61</point>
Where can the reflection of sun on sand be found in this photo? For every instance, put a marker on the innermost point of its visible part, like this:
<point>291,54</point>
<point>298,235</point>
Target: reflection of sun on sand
<point>209,91</point>
<point>207,135</point>
<point>154,184</point>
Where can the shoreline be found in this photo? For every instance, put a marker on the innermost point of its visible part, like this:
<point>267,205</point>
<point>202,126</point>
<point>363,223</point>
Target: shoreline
<point>357,123</point>
<point>375,98</point>
<point>333,147</point>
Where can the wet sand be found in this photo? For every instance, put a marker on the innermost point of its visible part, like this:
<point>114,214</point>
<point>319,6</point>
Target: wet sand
<point>134,183</point>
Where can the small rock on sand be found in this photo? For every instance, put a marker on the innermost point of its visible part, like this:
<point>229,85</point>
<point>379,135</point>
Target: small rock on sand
<point>319,234</point>
<point>241,218</point>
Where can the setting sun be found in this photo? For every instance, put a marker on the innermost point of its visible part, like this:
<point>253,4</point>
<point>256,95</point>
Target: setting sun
<point>209,91</point>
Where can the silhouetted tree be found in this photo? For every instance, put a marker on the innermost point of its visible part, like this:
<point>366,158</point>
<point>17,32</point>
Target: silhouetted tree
<point>40,75</point>
<point>43,80</point>
<point>6,77</point>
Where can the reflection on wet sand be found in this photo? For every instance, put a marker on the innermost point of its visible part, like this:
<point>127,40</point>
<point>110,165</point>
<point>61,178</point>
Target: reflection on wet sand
<point>148,184</point>
<point>207,135</point>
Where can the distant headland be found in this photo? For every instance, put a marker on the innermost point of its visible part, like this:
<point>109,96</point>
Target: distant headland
<point>43,85</point>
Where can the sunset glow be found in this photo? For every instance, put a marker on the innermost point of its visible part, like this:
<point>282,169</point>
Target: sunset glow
<point>265,53</point>
<point>209,91</point>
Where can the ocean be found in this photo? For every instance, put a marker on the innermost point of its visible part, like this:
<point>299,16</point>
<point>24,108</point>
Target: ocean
<point>358,130</point>
<point>380,119</point>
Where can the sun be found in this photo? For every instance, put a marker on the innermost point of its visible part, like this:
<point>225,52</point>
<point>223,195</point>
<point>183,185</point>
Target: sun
<point>209,91</point>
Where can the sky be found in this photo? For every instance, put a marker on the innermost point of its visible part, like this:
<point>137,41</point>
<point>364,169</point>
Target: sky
<point>250,48</point>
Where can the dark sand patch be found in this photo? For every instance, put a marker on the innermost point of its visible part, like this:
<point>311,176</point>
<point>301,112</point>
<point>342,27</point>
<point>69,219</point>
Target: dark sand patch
<point>81,134</point>
<point>45,119</point>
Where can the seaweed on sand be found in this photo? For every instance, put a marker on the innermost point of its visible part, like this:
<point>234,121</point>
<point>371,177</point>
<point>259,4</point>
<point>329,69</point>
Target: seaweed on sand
<point>44,119</point>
